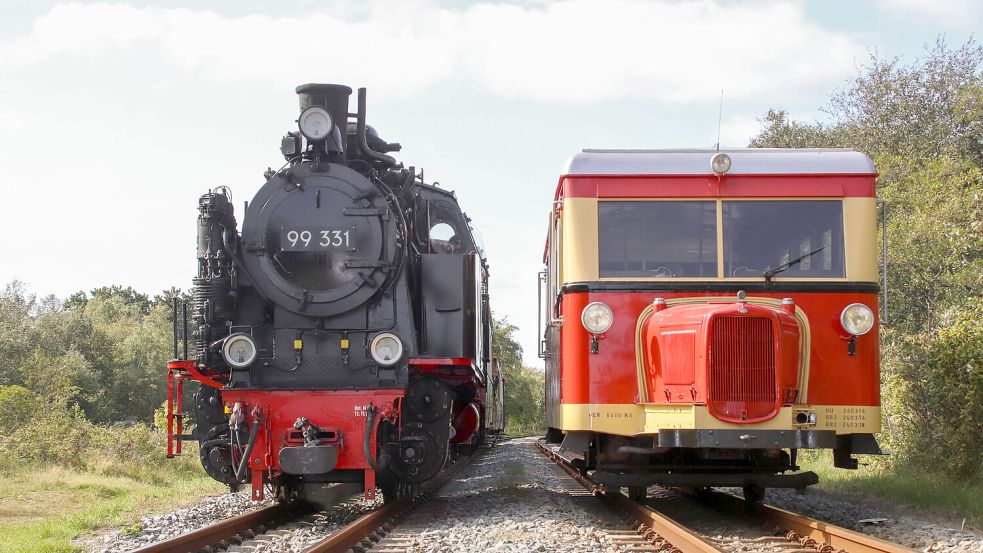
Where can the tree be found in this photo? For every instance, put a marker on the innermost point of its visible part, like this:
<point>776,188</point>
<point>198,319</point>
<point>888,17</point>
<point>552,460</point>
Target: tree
<point>524,387</point>
<point>922,124</point>
<point>16,308</point>
<point>128,295</point>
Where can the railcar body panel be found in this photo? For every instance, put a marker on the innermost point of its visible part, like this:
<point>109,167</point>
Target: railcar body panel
<point>727,293</point>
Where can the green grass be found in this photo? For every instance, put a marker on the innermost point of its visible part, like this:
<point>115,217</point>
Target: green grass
<point>47,509</point>
<point>919,492</point>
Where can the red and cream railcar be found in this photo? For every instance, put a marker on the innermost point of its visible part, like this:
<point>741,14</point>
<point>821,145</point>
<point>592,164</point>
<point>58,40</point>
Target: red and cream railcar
<point>707,314</point>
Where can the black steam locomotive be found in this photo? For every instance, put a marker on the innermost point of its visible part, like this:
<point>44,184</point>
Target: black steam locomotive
<point>345,334</point>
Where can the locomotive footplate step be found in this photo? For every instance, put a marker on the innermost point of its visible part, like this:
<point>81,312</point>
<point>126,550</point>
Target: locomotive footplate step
<point>798,480</point>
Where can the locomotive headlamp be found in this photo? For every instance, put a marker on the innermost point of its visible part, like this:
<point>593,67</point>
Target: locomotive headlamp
<point>597,317</point>
<point>315,123</point>
<point>239,350</point>
<point>857,319</point>
<point>386,349</point>
<point>720,163</point>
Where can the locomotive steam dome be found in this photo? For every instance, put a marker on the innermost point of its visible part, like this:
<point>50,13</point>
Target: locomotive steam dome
<point>318,243</point>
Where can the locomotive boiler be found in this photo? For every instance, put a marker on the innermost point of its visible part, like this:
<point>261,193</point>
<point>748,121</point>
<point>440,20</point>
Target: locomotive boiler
<point>344,334</point>
<point>707,314</point>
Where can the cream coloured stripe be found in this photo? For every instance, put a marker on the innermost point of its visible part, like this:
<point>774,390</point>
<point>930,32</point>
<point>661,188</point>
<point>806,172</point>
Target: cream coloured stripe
<point>639,419</point>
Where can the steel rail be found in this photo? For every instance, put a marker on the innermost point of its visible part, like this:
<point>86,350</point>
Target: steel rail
<point>837,537</point>
<point>652,522</point>
<point>812,532</point>
<point>370,526</point>
<point>226,530</point>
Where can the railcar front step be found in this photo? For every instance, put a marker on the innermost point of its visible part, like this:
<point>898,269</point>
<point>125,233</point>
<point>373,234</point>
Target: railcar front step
<point>798,480</point>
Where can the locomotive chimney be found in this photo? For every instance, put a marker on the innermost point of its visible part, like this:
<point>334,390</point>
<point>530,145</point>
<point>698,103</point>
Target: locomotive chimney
<point>332,97</point>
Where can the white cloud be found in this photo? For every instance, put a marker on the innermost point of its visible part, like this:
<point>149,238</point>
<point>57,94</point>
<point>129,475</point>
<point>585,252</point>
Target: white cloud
<point>569,50</point>
<point>961,13</point>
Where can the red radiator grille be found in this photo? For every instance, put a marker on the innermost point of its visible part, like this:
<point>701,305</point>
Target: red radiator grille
<point>741,366</point>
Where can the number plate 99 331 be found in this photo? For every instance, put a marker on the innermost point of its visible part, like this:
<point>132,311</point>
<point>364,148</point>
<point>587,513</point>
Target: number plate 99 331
<point>304,240</point>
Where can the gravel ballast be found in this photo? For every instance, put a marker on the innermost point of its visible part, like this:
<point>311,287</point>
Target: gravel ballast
<point>512,498</point>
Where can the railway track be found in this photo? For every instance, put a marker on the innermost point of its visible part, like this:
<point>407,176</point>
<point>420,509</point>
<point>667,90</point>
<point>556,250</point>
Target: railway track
<point>356,535</point>
<point>228,532</point>
<point>668,533</point>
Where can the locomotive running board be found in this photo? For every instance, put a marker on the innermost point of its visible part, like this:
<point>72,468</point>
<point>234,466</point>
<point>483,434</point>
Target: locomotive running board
<point>798,480</point>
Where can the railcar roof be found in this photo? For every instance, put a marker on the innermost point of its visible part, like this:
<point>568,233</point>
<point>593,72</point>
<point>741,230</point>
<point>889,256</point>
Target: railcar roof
<point>744,161</point>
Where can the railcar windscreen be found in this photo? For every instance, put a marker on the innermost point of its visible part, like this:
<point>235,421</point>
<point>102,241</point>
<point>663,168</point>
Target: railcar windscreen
<point>657,239</point>
<point>797,238</point>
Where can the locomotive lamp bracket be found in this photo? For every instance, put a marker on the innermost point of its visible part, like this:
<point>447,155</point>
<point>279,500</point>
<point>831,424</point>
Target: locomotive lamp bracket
<point>594,343</point>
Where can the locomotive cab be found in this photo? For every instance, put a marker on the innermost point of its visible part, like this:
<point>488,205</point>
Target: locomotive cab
<point>707,314</point>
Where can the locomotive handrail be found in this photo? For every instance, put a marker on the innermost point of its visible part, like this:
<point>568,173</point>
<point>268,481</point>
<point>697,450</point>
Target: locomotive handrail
<point>363,142</point>
<point>541,343</point>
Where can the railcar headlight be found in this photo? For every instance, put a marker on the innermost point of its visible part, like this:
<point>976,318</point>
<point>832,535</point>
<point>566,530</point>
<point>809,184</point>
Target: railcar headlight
<point>386,349</point>
<point>857,319</point>
<point>720,163</point>
<point>597,317</point>
<point>315,123</point>
<point>239,350</point>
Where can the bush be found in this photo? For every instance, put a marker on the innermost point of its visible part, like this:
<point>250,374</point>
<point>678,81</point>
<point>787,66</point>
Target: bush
<point>933,389</point>
<point>17,406</point>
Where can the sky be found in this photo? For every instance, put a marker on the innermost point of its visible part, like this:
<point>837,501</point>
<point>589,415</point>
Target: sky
<point>116,116</point>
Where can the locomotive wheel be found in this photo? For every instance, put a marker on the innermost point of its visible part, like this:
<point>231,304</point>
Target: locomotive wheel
<point>427,401</point>
<point>753,494</point>
<point>287,491</point>
<point>637,493</point>
<point>395,491</point>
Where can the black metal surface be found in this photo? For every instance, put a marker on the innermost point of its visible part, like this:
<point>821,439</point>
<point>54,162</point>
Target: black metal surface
<point>306,459</point>
<point>213,298</point>
<point>422,450</point>
<point>450,304</point>
<point>797,480</point>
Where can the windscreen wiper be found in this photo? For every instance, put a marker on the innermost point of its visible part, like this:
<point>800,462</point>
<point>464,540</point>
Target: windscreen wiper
<point>789,264</point>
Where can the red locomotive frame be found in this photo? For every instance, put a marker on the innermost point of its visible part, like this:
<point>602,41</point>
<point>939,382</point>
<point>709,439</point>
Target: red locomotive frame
<point>353,412</point>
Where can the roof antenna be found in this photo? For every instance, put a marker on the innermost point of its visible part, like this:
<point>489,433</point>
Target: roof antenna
<point>720,114</point>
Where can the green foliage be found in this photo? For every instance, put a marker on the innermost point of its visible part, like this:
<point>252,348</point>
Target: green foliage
<point>17,406</point>
<point>128,296</point>
<point>781,132</point>
<point>933,392</point>
<point>16,308</point>
<point>935,238</point>
<point>922,124</point>
<point>524,387</point>
<point>105,353</point>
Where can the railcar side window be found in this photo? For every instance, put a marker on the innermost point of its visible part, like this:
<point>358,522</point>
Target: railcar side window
<point>657,239</point>
<point>768,235</point>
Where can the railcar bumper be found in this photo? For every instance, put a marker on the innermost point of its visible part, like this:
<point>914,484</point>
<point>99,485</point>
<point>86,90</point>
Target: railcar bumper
<point>748,439</point>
